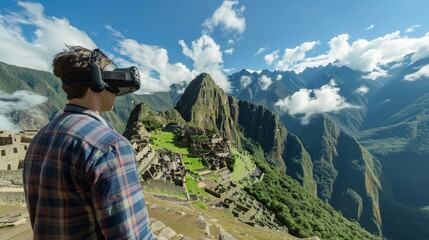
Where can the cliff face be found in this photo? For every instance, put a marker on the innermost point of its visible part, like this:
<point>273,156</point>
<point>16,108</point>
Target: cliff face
<point>298,163</point>
<point>261,125</point>
<point>347,175</point>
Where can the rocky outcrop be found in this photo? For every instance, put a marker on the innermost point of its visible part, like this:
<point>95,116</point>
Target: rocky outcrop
<point>264,127</point>
<point>224,235</point>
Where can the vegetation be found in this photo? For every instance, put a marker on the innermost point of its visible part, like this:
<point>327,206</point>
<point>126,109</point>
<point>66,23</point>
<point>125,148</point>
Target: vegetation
<point>192,187</point>
<point>201,205</point>
<point>302,213</point>
<point>160,139</point>
<point>324,175</point>
<point>407,217</point>
<point>152,123</point>
<point>243,165</point>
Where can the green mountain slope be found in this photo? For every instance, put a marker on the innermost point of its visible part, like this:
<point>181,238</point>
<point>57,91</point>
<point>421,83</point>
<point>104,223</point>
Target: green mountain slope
<point>347,175</point>
<point>303,214</point>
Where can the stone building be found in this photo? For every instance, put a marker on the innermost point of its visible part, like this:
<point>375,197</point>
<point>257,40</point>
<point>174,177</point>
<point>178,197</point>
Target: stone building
<point>13,147</point>
<point>166,165</point>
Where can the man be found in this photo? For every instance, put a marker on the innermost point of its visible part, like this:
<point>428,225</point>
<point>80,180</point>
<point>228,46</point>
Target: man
<point>80,178</point>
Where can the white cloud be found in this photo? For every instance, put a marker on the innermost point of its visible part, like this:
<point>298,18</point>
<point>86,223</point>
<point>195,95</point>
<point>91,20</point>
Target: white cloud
<point>279,77</point>
<point>17,101</point>
<point>362,90</point>
<point>254,71</point>
<point>272,57</point>
<point>156,72</point>
<point>260,50</point>
<point>379,73</point>
<point>181,91</point>
<point>311,102</point>
<point>412,28</point>
<point>421,73</point>
<point>245,81</point>
<point>372,57</point>
<point>291,57</point>
<point>369,27</point>
<point>231,41</point>
<point>265,81</point>
<point>113,31</point>
<point>227,17</point>
<point>228,70</point>
<point>49,37</point>
<point>207,57</point>
<point>229,51</point>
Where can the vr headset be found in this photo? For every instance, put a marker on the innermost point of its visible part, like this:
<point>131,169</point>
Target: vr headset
<point>120,81</point>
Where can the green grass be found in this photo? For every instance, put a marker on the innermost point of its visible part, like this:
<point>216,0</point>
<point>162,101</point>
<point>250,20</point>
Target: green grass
<point>192,187</point>
<point>193,163</point>
<point>212,177</point>
<point>243,166</point>
<point>165,140</point>
<point>201,205</point>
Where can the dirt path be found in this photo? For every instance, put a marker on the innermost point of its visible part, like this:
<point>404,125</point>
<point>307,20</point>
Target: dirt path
<point>19,232</point>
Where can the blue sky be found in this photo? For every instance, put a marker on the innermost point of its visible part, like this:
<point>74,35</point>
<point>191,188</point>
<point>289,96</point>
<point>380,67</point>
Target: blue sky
<point>173,41</point>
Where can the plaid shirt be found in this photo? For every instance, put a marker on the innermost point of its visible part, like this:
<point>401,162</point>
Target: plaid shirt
<point>80,181</point>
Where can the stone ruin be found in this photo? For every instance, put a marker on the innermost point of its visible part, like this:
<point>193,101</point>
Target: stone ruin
<point>13,147</point>
<point>241,204</point>
<point>166,165</point>
<point>165,170</point>
<point>161,169</point>
<point>214,150</point>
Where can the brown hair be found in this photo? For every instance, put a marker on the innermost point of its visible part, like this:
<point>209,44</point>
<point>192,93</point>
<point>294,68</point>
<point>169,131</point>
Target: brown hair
<point>75,58</point>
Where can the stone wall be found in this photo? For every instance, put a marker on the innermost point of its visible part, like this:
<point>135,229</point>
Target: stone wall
<point>13,147</point>
<point>9,157</point>
<point>147,160</point>
<point>11,189</point>
<point>10,175</point>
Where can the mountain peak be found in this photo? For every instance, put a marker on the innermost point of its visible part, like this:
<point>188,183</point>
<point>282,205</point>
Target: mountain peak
<point>203,78</point>
<point>205,105</point>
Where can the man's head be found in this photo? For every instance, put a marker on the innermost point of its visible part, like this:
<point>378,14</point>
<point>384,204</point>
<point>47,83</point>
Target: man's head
<point>73,59</point>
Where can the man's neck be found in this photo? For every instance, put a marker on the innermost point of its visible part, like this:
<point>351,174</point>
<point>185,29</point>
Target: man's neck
<point>86,103</point>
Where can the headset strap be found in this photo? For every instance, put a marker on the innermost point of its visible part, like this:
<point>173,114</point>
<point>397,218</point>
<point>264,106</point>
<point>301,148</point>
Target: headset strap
<point>77,76</point>
<point>85,76</point>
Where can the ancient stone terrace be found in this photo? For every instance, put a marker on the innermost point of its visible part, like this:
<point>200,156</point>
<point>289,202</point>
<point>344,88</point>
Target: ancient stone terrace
<point>13,147</point>
<point>161,164</point>
<point>242,205</point>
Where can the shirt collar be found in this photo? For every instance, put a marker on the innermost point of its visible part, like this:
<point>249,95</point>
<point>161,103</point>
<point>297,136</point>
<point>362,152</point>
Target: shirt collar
<point>74,108</point>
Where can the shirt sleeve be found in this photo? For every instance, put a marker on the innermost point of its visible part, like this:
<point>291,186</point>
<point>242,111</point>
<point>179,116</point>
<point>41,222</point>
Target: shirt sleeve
<point>117,195</point>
